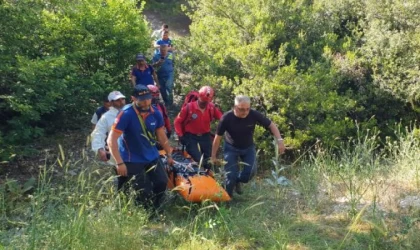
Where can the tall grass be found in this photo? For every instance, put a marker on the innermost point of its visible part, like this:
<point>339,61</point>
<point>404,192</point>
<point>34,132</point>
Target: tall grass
<point>405,155</point>
<point>79,208</point>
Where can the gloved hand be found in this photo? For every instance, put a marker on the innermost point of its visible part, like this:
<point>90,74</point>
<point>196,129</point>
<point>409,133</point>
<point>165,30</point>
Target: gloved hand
<point>168,134</point>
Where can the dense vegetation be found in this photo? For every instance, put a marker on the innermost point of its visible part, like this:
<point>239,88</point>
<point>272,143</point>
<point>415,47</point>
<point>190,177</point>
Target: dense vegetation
<point>317,68</point>
<point>344,73</point>
<point>58,61</point>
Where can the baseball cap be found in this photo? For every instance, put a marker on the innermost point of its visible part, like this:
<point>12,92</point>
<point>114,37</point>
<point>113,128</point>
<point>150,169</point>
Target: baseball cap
<point>140,57</point>
<point>142,92</point>
<point>115,95</point>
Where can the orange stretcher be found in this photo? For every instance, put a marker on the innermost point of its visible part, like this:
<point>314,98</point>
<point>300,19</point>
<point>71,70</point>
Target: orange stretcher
<point>194,185</point>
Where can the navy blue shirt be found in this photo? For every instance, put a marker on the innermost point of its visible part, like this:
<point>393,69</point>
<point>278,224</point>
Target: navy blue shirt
<point>97,115</point>
<point>133,144</point>
<point>144,77</point>
<point>100,111</point>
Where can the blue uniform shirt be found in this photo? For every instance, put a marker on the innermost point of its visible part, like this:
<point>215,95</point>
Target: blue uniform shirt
<point>161,42</point>
<point>144,77</point>
<point>133,144</point>
<point>167,67</point>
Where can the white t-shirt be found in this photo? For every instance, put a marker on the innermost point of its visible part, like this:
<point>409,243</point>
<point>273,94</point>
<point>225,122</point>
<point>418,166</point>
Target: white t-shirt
<point>103,127</point>
<point>157,34</point>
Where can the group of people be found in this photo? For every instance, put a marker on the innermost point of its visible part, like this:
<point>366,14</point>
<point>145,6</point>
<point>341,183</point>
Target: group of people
<point>135,131</point>
<point>163,61</point>
<point>129,136</point>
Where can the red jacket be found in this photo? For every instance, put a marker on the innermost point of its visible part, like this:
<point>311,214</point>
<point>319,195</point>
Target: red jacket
<point>192,120</point>
<point>162,110</point>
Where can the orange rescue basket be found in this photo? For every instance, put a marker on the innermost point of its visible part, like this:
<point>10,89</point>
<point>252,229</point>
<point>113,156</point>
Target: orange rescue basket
<point>192,184</point>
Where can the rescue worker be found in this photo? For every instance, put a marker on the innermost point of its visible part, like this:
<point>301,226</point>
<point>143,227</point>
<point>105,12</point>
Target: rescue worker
<point>156,102</point>
<point>164,40</point>
<point>143,73</point>
<point>193,125</point>
<point>238,126</point>
<point>100,133</point>
<point>164,62</point>
<point>132,143</point>
<point>157,34</point>
<point>100,111</point>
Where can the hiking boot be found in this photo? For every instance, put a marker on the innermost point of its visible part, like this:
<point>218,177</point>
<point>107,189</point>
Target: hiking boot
<point>238,188</point>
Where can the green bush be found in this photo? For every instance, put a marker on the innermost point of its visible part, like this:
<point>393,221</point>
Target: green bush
<point>311,66</point>
<point>60,59</point>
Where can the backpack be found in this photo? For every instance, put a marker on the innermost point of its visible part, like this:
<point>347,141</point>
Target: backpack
<point>192,96</point>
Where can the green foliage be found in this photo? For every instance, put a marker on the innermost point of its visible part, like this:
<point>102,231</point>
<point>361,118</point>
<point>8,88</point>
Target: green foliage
<point>12,192</point>
<point>60,59</point>
<point>391,47</point>
<point>314,67</point>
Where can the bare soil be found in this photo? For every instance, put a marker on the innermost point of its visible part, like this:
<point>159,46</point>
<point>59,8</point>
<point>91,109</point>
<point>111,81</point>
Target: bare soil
<point>179,25</point>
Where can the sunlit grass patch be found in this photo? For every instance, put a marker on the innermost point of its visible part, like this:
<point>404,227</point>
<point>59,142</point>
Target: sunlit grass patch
<point>315,211</point>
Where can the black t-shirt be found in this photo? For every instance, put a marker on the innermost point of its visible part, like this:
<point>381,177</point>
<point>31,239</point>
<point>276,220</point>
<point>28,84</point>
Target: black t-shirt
<point>240,131</point>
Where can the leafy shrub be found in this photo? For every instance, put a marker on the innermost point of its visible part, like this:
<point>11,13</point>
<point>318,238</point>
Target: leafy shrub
<point>308,65</point>
<point>61,58</point>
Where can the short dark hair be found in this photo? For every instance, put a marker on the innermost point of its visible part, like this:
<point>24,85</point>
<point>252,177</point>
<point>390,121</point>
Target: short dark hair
<point>105,99</point>
<point>165,26</point>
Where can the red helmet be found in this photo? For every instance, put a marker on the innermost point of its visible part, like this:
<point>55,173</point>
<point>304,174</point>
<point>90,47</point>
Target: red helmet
<point>154,91</point>
<point>206,94</point>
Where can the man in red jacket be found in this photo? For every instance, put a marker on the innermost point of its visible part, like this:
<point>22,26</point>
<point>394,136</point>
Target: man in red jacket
<point>193,125</point>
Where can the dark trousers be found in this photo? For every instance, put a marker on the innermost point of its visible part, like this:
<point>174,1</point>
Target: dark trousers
<point>199,147</point>
<point>233,156</point>
<point>148,180</point>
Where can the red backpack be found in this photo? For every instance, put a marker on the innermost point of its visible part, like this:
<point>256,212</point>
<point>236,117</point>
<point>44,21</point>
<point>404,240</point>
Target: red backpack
<point>192,96</point>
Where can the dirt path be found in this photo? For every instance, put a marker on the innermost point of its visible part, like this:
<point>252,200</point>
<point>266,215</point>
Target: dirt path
<point>178,24</point>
